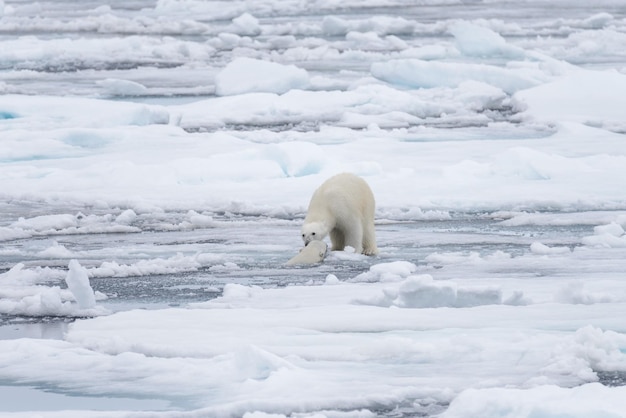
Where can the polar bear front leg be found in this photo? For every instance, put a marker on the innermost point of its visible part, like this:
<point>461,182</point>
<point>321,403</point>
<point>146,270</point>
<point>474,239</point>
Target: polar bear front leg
<point>354,238</point>
<point>338,239</point>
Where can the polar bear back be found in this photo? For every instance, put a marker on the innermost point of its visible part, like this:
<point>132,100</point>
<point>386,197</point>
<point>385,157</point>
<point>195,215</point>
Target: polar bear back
<point>341,197</point>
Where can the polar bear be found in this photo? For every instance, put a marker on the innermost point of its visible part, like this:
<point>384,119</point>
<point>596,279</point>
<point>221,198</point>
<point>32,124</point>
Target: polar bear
<point>342,207</point>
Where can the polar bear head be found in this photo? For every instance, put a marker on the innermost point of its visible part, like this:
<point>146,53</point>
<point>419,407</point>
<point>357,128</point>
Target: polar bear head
<point>313,231</point>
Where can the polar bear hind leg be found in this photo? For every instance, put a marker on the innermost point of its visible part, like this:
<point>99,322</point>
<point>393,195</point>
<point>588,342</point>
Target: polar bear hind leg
<point>369,240</point>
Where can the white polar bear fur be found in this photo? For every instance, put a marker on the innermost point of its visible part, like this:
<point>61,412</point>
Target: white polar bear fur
<point>342,207</point>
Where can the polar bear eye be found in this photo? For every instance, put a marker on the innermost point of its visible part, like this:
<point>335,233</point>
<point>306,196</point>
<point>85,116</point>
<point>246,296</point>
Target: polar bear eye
<point>302,235</point>
<point>313,233</point>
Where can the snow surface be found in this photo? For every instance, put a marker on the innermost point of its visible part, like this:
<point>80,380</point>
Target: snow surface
<point>157,159</point>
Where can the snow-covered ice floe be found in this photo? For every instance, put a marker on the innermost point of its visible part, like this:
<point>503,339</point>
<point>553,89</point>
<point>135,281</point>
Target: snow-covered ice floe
<point>329,347</point>
<point>156,159</point>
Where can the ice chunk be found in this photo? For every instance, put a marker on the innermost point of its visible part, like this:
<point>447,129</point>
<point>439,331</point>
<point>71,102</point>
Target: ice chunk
<point>425,74</point>
<point>253,362</point>
<point>127,217</point>
<point>575,292</point>
<point>517,299</point>
<point>386,272</point>
<point>605,241</point>
<point>539,248</point>
<point>331,279</point>
<point>423,291</point>
<point>21,276</point>
<point>590,400</point>
<point>85,138</point>
<point>46,222</point>
<point>474,40</point>
<point>335,26</point>
<point>607,236</point>
<point>6,115</point>
<point>200,220</point>
<point>531,164</point>
<point>174,264</point>
<point>582,96</point>
<point>117,87</point>
<point>246,75</point>
<point>50,112</point>
<point>247,25</point>
<point>297,159</point>
<point>77,281</point>
<point>23,293</point>
<point>56,251</point>
<point>613,228</point>
<point>234,291</point>
<point>598,21</point>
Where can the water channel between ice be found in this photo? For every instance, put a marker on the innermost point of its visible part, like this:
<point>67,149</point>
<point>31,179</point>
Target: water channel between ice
<point>253,253</point>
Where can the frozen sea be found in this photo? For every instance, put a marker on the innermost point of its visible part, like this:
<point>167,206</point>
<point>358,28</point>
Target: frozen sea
<point>156,163</point>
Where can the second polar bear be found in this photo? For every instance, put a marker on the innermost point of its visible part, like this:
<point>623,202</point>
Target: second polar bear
<point>342,207</point>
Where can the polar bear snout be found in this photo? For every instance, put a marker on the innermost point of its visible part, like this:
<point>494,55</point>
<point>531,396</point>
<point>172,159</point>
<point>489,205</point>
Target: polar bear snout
<point>307,238</point>
<point>312,232</point>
